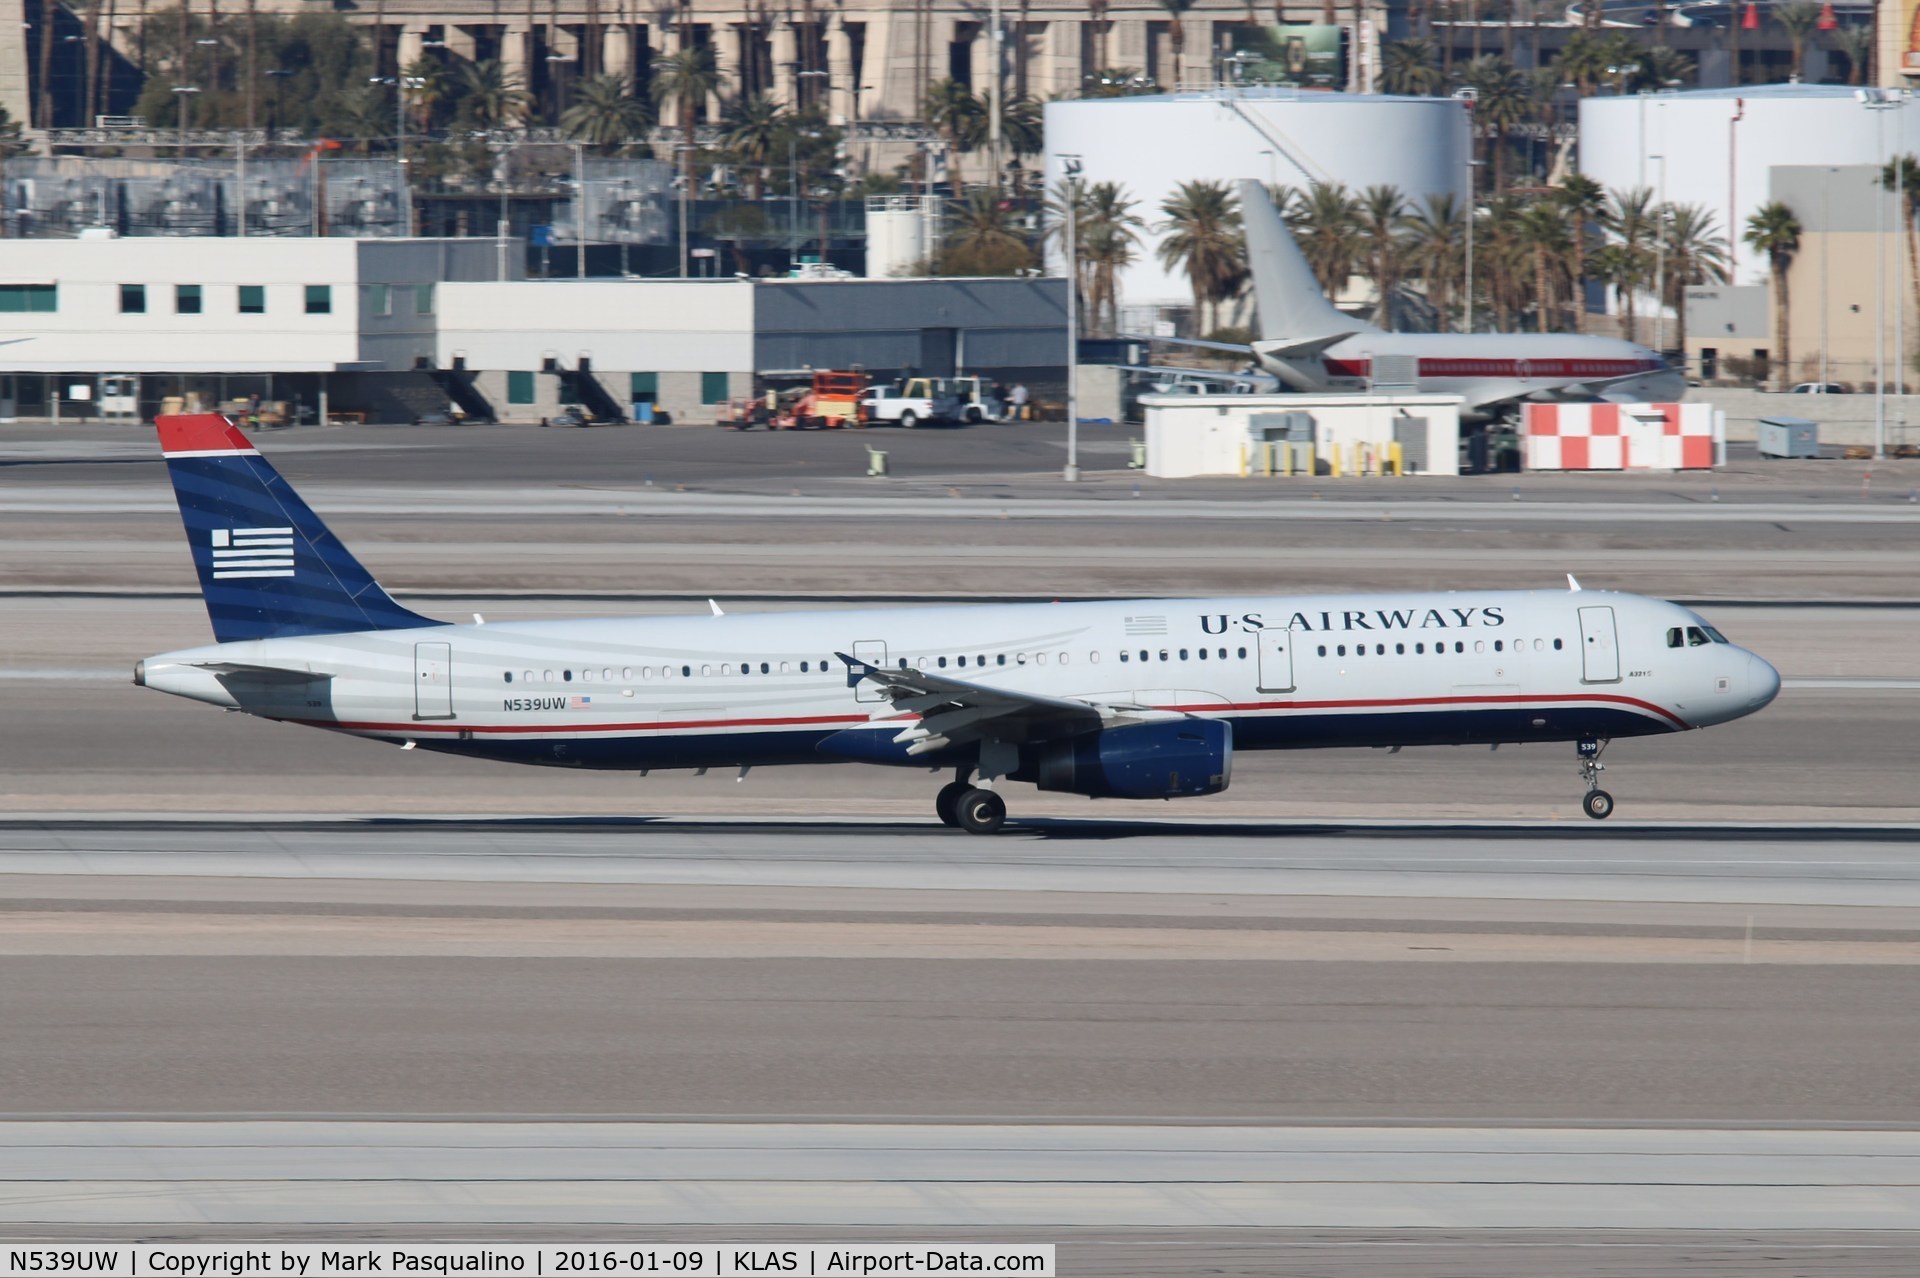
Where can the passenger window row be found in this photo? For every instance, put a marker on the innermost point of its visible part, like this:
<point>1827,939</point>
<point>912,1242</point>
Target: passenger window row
<point>605,674</point>
<point>1439,647</point>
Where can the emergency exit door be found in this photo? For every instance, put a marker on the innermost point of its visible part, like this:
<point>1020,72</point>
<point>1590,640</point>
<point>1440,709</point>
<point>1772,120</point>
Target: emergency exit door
<point>1276,660</point>
<point>1599,646</point>
<point>874,653</point>
<point>433,681</point>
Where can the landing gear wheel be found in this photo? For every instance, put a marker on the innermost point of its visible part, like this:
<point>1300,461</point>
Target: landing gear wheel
<point>946,804</point>
<point>1598,804</point>
<point>981,812</point>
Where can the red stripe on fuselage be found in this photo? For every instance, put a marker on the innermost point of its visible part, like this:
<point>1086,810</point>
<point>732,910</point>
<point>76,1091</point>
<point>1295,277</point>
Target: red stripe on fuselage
<point>1525,369</point>
<point>1384,703</point>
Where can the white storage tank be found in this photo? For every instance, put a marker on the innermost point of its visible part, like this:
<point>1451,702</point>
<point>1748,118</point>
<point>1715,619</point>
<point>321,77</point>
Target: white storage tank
<point>1288,137</point>
<point>902,233</point>
<point>1714,147</point>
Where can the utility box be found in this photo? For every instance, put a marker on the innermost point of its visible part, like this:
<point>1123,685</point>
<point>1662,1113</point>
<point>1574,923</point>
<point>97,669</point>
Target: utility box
<point>1789,437</point>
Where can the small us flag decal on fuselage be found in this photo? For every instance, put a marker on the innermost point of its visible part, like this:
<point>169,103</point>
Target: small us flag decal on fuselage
<point>252,552</point>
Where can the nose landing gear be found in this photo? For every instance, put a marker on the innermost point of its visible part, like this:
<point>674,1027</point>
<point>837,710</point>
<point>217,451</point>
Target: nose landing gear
<point>1597,804</point>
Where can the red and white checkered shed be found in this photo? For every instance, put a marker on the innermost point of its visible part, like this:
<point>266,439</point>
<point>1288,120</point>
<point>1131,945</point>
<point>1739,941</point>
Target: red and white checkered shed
<point>1617,436</point>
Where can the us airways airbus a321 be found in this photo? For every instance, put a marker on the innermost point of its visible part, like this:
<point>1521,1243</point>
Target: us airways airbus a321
<point>1143,699</point>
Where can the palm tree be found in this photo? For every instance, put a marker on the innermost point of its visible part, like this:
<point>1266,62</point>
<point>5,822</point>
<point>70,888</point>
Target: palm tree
<point>1775,231</point>
<point>1631,218</point>
<point>982,239</point>
<point>1501,260</point>
<point>1436,238</point>
<point>1204,239</point>
<point>1176,35</point>
<point>1326,224</point>
<point>1585,202</point>
<point>952,108</point>
<point>1902,176</point>
<point>429,87</point>
<point>1378,214</point>
<point>686,78</point>
<point>750,130</point>
<point>1503,99</point>
<point>1695,253</point>
<point>1542,229</point>
<point>605,113</point>
<point>1661,67</point>
<point>1109,229</point>
<point>1023,126</point>
<point>491,96</point>
<point>1799,17</point>
<point>1411,67</point>
<point>1855,44</point>
<point>1582,60</point>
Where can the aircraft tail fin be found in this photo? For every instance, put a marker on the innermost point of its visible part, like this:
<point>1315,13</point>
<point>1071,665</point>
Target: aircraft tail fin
<point>1290,301</point>
<point>269,568</point>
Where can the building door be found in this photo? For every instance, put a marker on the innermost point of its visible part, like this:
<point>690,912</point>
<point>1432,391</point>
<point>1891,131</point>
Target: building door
<point>9,399</point>
<point>938,351</point>
<point>433,681</point>
<point>874,653</point>
<point>1599,648</point>
<point>1276,660</point>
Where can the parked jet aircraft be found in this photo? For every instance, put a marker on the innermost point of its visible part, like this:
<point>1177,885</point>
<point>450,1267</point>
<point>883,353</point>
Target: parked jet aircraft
<point>1311,345</point>
<point>1145,699</point>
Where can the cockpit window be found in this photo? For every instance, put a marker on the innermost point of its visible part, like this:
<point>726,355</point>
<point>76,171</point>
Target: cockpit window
<point>1696,637</point>
<point>1673,638</point>
<point>1715,635</point>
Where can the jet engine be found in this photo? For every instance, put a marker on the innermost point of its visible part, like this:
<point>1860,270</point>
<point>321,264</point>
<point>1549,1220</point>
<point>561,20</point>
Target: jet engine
<point>1168,760</point>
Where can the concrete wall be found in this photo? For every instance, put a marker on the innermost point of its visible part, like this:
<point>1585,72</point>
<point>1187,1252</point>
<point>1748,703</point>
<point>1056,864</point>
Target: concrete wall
<point>661,326</point>
<point>1843,419</point>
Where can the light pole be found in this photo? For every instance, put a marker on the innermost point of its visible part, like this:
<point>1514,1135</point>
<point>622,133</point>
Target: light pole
<point>1070,167</point>
<point>401,83</point>
<point>1473,209</point>
<point>686,185</point>
<point>186,92</point>
<point>1660,262</point>
<point>1880,101</point>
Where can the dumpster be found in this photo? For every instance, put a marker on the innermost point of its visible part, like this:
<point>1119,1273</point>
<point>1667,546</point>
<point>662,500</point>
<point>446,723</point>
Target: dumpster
<point>1789,437</point>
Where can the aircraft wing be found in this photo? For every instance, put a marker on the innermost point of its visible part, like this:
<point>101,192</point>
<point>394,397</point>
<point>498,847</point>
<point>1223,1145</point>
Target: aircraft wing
<point>1597,388</point>
<point>1238,348</point>
<point>952,711</point>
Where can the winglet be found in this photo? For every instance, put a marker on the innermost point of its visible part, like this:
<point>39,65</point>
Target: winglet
<point>716,608</point>
<point>1572,583</point>
<point>856,669</point>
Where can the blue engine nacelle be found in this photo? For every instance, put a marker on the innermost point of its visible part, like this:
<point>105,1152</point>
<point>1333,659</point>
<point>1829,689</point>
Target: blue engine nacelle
<point>1144,761</point>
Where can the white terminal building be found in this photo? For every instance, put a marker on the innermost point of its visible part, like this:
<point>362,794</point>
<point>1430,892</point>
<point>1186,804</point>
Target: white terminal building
<point>392,330</point>
<point>1150,144</point>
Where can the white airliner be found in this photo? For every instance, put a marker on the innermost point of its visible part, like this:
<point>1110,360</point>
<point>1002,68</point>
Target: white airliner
<point>1144,699</point>
<point>1310,345</point>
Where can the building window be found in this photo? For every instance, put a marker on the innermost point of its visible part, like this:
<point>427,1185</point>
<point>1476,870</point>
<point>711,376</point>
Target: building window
<point>253,299</point>
<point>423,299</point>
<point>519,388</point>
<point>643,388</point>
<point>380,299</point>
<point>319,299</point>
<point>133,299</point>
<point>713,388</point>
<point>38,298</point>
<point>186,299</point>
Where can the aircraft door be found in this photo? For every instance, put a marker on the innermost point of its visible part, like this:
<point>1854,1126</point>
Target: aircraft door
<point>1276,659</point>
<point>874,653</point>
<point>1599,646</point>
<point>433,681</point>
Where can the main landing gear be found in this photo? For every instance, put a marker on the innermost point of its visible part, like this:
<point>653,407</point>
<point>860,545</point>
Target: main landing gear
<point>966,805</point>
<point>1598,804</point>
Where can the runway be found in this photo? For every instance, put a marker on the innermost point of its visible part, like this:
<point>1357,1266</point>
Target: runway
<point>260,981</point>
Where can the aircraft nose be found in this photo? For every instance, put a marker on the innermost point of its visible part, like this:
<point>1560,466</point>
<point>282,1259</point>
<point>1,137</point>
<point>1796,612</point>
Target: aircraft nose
<point>1763,681</point>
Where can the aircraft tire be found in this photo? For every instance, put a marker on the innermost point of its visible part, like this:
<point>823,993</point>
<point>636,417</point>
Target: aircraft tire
<point>981,812</point>
<point>1598,804</point>
<point>946,804</point>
